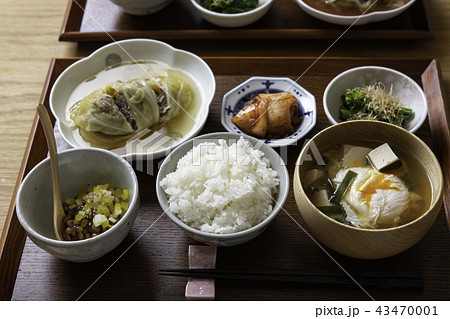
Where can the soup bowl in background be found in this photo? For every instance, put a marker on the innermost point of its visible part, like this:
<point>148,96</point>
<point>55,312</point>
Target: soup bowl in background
<point>369,243</point>
<point>354,19</point>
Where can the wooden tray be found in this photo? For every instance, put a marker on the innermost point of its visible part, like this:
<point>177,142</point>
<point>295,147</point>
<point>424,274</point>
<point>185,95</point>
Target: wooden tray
<point>27,272</point>
<point>101,20</point>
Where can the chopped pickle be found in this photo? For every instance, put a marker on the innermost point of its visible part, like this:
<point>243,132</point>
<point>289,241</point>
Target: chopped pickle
<point>118,208</point>
<point>95,206</point>
<point>99,188</point>
<point>105,224</point>
<point>118,192</point>
<point>102,209</point>
<point>124,195</point>
<point>124,206</point>
<point>99,219</point>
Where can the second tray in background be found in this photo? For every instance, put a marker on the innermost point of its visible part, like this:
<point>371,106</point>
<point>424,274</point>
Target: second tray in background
<point>101,20</point>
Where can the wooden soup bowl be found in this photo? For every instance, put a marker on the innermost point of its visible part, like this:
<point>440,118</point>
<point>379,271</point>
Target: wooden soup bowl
<point>368,243</point>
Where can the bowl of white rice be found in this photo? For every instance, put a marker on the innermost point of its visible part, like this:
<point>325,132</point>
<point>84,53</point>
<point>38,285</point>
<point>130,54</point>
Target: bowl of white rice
<point>222,189</point>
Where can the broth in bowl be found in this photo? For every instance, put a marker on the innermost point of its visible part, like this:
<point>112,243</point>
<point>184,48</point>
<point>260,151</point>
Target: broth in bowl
<point>368,186</point>
<point>354,7</point>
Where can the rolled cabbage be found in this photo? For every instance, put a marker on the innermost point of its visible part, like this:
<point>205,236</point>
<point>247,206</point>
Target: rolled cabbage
<point>141,100</point>
<point>110,116</point>
<point>178,94</point>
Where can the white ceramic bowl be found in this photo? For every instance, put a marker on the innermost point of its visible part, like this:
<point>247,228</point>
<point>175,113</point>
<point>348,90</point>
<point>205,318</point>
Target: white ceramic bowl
<point>170,163</point>
<point>141,7</point>
<point>233,20</point>
<point>234,100</point>
<point>132,50</point>
<point>77,168</point>
<point>353,20</point>
<point>403,87</point>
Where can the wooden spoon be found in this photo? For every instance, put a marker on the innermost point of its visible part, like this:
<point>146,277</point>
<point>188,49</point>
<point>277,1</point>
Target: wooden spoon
<point>58,210</point>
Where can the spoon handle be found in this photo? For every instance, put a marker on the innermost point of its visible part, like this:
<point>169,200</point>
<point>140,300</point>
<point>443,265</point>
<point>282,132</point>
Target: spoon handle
<point>50,137</point>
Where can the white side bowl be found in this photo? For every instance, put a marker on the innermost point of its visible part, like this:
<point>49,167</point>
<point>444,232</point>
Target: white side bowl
<point>233,20</point>
<point>132,50</point>
<point>403,87</point>
<point>353,20</point>
<point>234,100</point>
<point>141,7</point>
<point>170,164</point>
<point>77,168</point>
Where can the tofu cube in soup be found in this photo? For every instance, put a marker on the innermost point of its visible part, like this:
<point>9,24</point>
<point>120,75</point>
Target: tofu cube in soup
<point>384,159</point>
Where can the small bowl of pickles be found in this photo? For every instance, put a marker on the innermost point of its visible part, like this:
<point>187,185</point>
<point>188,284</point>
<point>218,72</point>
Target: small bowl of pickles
<point>100,196</point>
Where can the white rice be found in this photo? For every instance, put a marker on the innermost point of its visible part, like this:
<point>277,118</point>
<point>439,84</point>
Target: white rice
<point>222,189</point>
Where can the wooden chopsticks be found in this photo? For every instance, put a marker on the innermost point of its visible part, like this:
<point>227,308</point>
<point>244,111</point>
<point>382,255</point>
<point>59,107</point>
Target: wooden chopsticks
<point>405,280</point>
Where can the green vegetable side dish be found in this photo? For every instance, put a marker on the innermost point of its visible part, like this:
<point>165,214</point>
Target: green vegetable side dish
<point>372,102</point>
<point>230,6</point>
<point>95,210</point>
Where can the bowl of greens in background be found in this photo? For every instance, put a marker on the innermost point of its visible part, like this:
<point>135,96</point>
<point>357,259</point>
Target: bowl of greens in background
<point>232,14</point>
<point>357,94</point>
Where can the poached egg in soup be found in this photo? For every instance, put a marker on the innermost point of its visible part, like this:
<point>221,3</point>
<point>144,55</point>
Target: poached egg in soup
<point>353,190</point>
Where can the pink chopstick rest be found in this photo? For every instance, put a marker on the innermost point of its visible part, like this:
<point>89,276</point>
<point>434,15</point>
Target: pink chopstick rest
<point>201,257</point>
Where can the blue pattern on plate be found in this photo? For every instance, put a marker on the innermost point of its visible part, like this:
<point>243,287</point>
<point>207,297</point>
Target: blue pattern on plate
<point>236,99</point>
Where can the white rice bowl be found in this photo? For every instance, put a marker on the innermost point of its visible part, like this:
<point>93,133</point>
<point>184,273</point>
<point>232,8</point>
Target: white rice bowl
<point>222,188</point>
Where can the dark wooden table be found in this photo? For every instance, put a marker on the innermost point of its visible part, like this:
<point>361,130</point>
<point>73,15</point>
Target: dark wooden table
<point>284,245</point>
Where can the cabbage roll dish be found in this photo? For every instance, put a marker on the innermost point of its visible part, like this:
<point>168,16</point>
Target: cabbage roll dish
<point>368,188</point>
<point>269,116</point>
<point>109,116</point>
<point>355,7</point>
<point>373,102</point>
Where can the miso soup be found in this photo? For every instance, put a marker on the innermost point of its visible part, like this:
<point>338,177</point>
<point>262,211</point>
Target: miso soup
<point>354,7</point>
<point>349,189</point>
